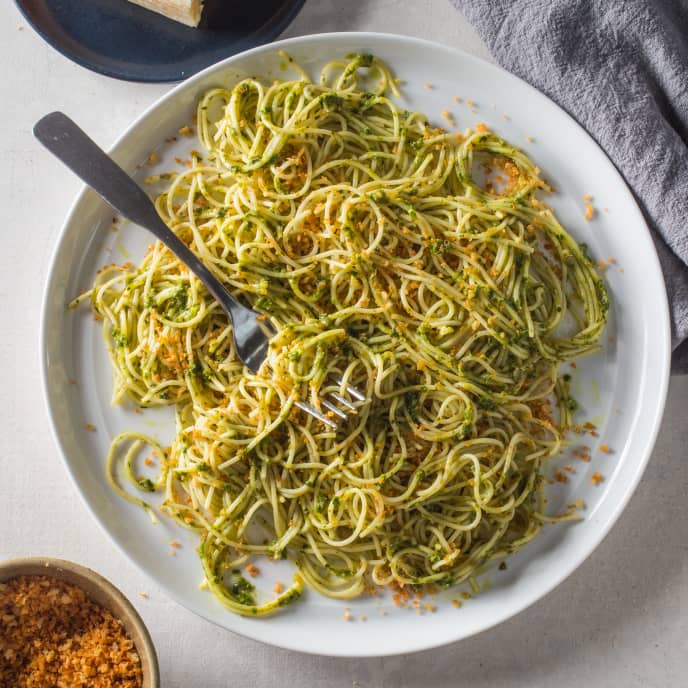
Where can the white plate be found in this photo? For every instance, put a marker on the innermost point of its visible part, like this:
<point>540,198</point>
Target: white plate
<point>622,389</point>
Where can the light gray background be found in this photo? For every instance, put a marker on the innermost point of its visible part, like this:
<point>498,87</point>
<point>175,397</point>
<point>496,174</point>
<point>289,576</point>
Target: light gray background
<point>620,621</point>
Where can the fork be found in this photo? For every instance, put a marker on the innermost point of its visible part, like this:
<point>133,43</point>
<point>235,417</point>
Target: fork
<point>64,139</point>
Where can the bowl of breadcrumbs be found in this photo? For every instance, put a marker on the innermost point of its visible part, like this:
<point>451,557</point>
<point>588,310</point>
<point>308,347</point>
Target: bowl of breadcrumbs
<point>64,626</point>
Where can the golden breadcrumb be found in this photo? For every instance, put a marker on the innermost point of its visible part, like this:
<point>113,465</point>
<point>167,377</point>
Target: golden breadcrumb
<point>52,635</point>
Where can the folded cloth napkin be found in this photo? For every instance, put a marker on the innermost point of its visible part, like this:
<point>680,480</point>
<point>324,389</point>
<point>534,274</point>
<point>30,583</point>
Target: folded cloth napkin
<point>621,69</point>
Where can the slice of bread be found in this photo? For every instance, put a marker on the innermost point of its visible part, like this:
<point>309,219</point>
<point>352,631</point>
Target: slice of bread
<point>185,11</point>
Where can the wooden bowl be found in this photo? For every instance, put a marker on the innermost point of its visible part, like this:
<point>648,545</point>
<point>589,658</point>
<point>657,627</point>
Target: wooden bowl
<point>99,590</point>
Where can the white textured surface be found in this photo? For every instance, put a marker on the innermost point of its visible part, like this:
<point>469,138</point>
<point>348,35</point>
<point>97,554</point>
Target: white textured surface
<point>620,620</point>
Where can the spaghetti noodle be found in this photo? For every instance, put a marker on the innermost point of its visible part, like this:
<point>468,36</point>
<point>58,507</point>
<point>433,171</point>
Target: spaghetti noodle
<point>365,237</point>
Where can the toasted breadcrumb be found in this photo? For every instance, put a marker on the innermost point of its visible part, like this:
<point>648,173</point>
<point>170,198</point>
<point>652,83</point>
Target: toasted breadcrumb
<point>602,265</point>
<point>560,477</point>
<point>596,478</point>
<point>53,635</point>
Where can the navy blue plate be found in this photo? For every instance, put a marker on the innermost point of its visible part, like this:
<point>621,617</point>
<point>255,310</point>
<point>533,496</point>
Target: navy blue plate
<point>125,41</point>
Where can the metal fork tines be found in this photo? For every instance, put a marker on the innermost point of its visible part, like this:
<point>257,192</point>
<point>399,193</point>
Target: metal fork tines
<point>336,413</point>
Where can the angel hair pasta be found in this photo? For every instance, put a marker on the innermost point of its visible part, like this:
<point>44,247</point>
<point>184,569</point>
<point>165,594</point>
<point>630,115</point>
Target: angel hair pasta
<point>382,254</point>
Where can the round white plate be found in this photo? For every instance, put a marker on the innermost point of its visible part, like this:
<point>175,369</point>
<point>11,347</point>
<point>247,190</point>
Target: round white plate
<point>621,390</point>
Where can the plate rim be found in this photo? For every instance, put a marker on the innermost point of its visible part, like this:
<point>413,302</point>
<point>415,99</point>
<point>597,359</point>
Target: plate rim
<point>287,14</point>
<point>661,335</point>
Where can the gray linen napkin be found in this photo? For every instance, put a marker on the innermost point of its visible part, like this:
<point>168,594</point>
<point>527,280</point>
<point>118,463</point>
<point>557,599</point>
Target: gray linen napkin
<point>620,67</point>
